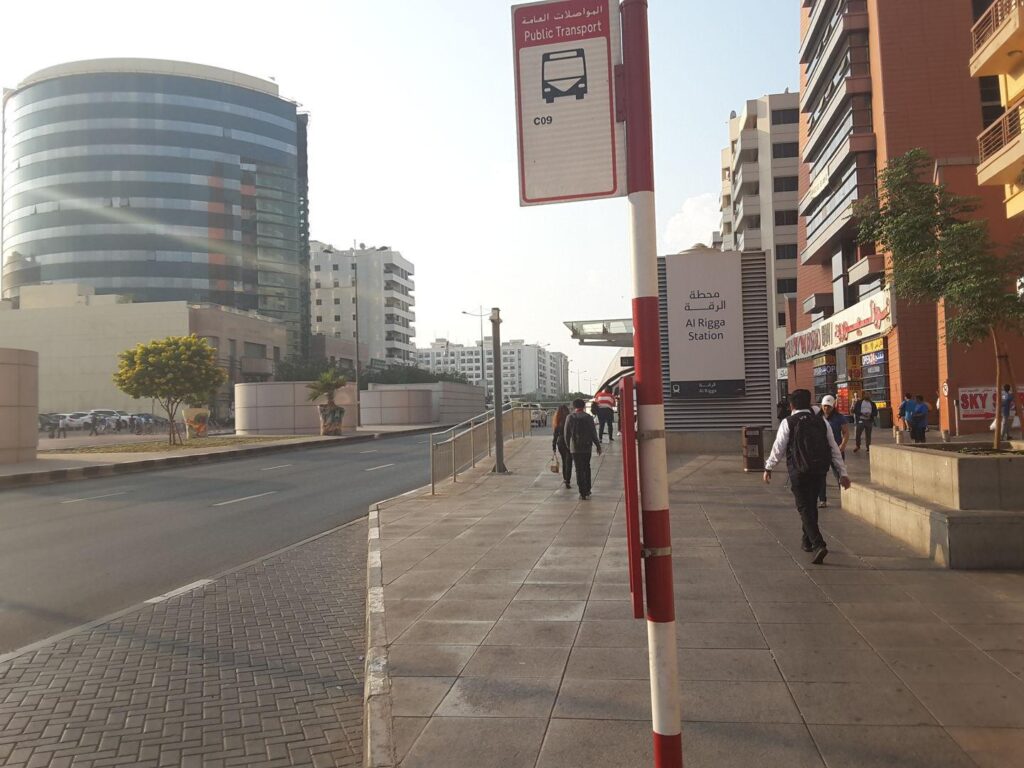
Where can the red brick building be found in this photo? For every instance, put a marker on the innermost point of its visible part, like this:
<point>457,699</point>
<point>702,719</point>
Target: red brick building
<point>879,78</point>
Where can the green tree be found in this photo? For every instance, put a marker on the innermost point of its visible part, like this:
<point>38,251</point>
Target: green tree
<point>172,371</point>
<point>331,413</point>
<point>940,253</point>
<point>407,374</point>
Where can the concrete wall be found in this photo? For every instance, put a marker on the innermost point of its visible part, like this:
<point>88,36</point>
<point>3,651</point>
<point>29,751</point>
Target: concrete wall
<point>396,406</point>
<point>283,408</point>
<point>450,403</point>
<point>19,405</point>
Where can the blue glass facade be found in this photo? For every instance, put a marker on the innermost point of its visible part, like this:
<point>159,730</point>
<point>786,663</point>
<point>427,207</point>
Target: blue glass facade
<point>162,185</point>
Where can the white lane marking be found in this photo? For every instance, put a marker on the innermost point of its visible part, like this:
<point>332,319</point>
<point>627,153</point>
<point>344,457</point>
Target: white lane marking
<point>90,498</point>
<point>278,466</point>
<point>244,498</point>
<point>382,466</point>
<point>373,451</point>
<point>180,591</point>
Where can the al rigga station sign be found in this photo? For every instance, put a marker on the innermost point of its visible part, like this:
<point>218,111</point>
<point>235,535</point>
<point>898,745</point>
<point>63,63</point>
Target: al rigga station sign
<point>864,320</point>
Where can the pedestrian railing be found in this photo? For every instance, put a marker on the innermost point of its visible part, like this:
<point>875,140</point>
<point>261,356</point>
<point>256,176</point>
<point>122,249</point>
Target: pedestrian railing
<point>457,449</point>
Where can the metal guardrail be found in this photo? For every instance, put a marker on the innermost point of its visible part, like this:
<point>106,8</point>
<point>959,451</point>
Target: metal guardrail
<point>1000,133</point>
<point>461,447</point>
<point>991,21</point>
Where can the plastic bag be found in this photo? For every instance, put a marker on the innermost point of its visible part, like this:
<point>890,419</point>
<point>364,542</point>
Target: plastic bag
<point>553,466</point>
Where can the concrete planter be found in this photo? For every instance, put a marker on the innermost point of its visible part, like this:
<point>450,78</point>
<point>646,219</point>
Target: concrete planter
<point>962,511</point>
<point>19,405</point>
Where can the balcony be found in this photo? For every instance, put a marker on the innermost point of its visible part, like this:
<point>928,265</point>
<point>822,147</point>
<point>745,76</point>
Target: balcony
<point>867,269</point>
<point>853,17</point>
<point>997,39</point>
<point>1000,149</point>
<point>749,205</point>
<point>818,302</point>
<point>854,84</point>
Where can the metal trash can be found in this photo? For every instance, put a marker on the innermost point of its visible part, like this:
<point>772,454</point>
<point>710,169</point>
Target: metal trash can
<point>753,449</point>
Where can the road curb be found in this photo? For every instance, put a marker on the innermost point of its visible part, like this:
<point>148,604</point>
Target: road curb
<point>142,465</point>
<point>378,725</point>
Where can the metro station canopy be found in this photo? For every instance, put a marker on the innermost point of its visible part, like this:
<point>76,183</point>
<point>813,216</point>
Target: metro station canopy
<point>602,333</point>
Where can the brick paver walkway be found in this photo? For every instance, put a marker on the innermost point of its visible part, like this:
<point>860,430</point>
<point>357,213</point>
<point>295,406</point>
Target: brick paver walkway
<point>512,646</point>
<point>263,667</point>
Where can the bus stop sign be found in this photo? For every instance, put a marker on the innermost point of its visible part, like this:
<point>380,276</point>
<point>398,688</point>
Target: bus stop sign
<point>570,147</point>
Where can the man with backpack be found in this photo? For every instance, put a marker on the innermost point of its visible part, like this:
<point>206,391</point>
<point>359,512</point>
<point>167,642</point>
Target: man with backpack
<point>810,449</point>
<point>580,438</point>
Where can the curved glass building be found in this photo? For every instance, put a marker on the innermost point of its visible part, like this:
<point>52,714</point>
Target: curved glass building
<point>159,179</point>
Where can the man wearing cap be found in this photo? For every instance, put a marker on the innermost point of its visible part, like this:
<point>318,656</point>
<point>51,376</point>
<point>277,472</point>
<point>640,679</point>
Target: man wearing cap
<point>841,432</point>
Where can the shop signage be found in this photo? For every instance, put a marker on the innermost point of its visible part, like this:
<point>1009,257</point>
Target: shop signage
<point>705,324</point>
<point>977,403</point>
<point>875,345</point>
<point>873,358</point>
<point>868,318</point>
<point>825,370</point>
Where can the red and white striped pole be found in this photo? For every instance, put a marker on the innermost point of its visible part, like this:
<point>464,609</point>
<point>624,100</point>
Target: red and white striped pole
<point>657,534</point>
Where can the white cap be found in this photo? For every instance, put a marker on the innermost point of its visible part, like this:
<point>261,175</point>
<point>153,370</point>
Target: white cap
<point>828,400</point>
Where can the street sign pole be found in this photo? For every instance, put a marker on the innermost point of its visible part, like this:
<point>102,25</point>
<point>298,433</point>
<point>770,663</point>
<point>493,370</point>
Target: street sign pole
<point>657,536</point>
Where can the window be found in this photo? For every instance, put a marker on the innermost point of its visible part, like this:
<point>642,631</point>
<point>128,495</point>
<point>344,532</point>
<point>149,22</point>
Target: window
<point>316,284</point>
<point>316,267</point>
<point>785,116</point>
<point>781,319</point>
<point>785,285</point>
<point>337,301</point>
<point>337,318</point>
<point>785,251</point>
<point>785,149</point>
<point>337,284</point>
<point>785,218</point>
<point>753,222</point>
<point>334,267</point>
<point>254,350</point>
<point>319,318</point>
<point>318,302</point>
<point>786,184</point>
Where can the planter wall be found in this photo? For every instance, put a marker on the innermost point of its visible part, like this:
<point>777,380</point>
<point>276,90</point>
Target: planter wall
<point>19,405</point>
<point>283,408</point>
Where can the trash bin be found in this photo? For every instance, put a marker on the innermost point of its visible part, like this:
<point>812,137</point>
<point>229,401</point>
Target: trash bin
<point>753,449</point>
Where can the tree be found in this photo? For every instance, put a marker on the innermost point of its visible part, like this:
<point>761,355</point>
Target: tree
<point>940,254</point>
<point>407,374</point>
<point>330,413</point>
<point>172,371</point>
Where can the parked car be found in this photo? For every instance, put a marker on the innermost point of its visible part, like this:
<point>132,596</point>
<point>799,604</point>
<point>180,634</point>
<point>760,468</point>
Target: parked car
<point>48,422</point>
<point>77,419</point>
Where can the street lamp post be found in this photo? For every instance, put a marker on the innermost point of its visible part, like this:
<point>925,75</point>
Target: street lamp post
<point>355,290</point>
<point>483,365</point>
<point>499,431</point>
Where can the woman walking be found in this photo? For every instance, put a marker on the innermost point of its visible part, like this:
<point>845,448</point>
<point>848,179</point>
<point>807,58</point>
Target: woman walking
<point>558,443</point>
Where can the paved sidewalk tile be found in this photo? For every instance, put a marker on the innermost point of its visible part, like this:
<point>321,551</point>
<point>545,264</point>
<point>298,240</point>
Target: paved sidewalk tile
<point>261,667</point>
<point>510,603</point>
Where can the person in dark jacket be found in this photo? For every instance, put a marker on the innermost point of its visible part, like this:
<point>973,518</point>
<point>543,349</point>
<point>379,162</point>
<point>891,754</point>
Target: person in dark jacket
<point>558,443</point>
<point>580,436</point>
<point>864,413</point>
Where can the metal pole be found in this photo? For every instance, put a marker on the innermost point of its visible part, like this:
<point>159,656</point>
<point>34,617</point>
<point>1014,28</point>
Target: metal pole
<point>431,437</point>
<point>499,427</point>
<point>657,536</point>
<point>483,368</point>
<point>355,289</point>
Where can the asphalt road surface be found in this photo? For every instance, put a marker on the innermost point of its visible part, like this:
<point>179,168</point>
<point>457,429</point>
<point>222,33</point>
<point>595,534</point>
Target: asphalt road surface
<point>73,552</point>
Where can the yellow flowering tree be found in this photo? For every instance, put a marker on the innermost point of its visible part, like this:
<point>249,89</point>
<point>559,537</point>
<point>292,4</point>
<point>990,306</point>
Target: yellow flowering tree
<point>172,371</point>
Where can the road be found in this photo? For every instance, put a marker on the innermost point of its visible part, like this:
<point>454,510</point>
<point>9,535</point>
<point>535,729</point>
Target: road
<point>71,553</point>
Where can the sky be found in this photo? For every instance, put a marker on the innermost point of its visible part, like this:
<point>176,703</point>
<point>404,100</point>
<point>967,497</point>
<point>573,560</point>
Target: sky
<point>412,138</point>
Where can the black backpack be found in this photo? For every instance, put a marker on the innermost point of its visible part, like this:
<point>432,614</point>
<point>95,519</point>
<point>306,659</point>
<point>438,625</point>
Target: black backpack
<point>809,451</point>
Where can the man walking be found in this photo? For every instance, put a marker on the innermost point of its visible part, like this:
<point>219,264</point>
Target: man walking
<point>837,422</point>
<point>605,401</point>
<point>1006,403</point>
<point>919,420</point>
<point>906,411</point>
<point>62,427</point>
<point>809,447</point>
<point>864,412</point>
<point>580,438</point>
<point>92,425</point>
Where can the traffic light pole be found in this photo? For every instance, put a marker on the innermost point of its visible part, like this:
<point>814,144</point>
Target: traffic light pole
<point>657,535</point>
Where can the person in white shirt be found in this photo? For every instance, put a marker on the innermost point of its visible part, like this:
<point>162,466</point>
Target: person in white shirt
<point>807,444</point>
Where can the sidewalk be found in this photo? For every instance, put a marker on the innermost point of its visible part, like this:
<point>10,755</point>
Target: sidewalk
<point>511,642</point>
<point>55,467</point>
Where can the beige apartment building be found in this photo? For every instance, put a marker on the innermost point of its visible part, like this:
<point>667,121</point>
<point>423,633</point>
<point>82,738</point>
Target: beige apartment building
<point>759,198</point>
<point>79,335</point>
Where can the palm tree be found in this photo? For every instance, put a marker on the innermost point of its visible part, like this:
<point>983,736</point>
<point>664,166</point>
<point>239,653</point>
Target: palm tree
<point>330,413</point>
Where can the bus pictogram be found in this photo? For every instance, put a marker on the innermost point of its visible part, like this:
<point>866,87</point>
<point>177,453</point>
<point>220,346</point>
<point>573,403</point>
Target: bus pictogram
<point>563,73</point>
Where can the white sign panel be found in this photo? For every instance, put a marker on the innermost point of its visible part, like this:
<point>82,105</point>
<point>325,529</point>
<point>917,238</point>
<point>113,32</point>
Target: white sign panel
<point>979,403</point>
<point>705,323</point>
<point>569,145</point>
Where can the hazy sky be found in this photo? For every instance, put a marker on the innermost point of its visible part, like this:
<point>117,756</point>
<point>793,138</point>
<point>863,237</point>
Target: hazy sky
<point>412,134</point>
